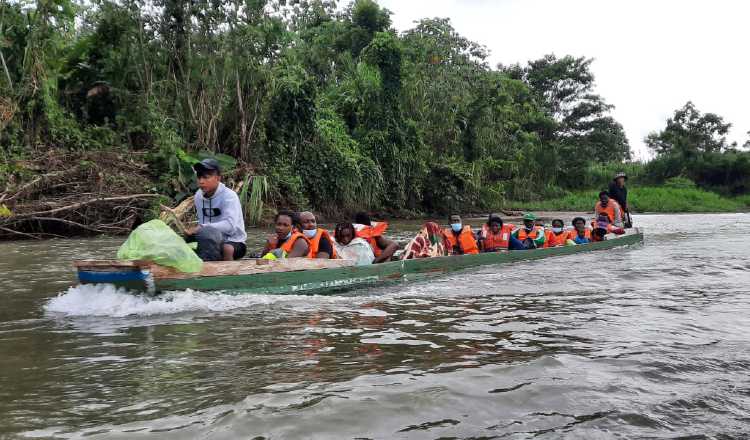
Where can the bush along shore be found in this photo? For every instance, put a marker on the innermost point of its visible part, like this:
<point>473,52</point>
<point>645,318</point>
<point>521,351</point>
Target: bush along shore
<point>105,105</point>
<point>647,199</point>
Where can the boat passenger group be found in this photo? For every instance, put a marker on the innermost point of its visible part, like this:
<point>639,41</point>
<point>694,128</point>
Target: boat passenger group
<point>221,235</point>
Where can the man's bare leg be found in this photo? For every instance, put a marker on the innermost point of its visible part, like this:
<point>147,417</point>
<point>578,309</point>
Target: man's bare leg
<point>228,252</point>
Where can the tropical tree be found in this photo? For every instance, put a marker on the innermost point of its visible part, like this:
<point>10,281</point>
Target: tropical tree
<point>565,88</point>
<point>689,132</point>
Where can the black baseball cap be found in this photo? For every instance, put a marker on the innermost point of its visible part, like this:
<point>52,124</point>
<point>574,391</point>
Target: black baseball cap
<point>207,165</point>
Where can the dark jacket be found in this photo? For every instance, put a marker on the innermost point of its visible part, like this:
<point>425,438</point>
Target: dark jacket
<point>619,194</point>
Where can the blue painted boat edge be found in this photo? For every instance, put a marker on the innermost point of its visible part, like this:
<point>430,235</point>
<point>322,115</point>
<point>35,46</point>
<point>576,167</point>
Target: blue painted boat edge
<point>131,280</point>
<point>90,277</point>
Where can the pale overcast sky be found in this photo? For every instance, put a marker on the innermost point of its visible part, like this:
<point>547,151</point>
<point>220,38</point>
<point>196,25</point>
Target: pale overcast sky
<point>651,56</point>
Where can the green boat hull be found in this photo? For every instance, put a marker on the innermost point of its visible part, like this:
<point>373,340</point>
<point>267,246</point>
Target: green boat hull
<point>330,281</point>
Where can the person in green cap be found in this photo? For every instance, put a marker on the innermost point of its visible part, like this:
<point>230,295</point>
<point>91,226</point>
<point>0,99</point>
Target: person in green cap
<point>530,236</point>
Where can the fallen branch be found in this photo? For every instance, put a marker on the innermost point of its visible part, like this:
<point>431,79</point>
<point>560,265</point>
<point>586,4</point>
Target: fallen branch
<point>23,234</point>
<point>21,217</point>
<point>67,222</point>
<point>31,185</point>
<point>114,227</point>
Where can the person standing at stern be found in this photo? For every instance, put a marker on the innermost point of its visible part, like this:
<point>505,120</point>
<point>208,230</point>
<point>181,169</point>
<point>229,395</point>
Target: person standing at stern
<point>619,192</point>
<point>220,232</point>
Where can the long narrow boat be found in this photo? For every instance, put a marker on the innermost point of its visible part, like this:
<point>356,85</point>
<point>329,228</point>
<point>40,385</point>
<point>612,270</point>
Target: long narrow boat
<point>307,276</point>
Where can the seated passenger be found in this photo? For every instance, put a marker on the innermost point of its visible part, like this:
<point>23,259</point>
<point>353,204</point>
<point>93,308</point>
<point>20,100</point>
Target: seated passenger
<point>288,241</point>
<point>610,208</point>
<point>350,247</point>
<point>382,247</point>
<point>429,242</point>
<point>495,235</point>
<point>598,234</point>
<point>602,221</point>
<point>321,245</point>
<point>461,239</point>
<point>580,233</point>
<point>221,226</point>
<point>529,236</point>
<point>557,235</point>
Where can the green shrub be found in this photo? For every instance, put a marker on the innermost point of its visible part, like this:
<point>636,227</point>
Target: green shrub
<point>332,171</point>
<point>743,201</point>
<point>600,175</point>
<point>452,188</point>
<point>679,183</point>
<point>286,188</point>
<point>683,198</point>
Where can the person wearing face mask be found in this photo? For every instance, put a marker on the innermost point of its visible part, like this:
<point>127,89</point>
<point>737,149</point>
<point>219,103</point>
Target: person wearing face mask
<point>321,245</point>
<point>556,236</point>
<point>288,242</point>
<point>460,237</point>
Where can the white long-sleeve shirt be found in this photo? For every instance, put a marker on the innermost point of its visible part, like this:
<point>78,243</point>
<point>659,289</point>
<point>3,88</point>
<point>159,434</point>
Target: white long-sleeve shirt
<point>229,221</point>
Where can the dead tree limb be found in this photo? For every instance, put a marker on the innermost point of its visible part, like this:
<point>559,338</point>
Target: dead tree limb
<point>74,206</point>
<point>22,234</point>
<point>29,187</point>
<point>67,222</point>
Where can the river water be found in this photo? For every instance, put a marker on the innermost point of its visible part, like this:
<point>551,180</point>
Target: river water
<point>644,342</point>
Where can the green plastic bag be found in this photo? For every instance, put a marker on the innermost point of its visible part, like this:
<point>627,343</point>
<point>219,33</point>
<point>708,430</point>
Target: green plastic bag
<point>157,242</point>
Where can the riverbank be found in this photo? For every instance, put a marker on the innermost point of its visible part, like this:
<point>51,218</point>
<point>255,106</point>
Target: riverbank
<point>646,199</point>
<point>106,192</point>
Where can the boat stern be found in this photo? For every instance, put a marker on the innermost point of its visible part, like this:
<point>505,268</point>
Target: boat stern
<point>130,275</point>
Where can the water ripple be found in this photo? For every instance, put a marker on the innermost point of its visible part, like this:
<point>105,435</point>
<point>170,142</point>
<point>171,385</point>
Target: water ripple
<point>642,342</point>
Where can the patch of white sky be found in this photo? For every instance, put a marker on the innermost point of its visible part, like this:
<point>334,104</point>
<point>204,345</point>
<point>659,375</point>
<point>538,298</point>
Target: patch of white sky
<point>651,56</point>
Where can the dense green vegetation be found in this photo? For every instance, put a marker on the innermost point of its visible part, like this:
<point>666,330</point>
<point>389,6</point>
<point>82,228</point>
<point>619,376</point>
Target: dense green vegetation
<point>335,108</point>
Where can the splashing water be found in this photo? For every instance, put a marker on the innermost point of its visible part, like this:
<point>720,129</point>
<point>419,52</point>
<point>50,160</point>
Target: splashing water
<point>107,300</point>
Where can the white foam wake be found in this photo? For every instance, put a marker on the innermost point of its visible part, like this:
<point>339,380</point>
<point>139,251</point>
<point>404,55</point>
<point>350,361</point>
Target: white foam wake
<point>106,300</point>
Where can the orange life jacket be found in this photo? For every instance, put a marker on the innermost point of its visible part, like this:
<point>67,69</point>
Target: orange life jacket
<point>500,240</point>
<point>553,240</point>
<point>289,244</point>
<point>465,240</point>
<point>534,234</point>
<point>315,244</point>
<point>609,210</point>
<point>371,234</point>
<point>572,235</point>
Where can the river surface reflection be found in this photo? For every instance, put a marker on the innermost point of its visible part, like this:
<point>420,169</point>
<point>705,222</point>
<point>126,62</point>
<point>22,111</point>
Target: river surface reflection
<point>648,341</point>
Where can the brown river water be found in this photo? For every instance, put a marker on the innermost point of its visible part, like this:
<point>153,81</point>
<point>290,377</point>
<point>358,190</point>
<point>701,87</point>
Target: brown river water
<point>649,341</point>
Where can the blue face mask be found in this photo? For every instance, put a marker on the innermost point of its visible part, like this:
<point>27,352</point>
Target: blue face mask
<point>310,233</point>
<point>456,227</point>
<point>557,230</point>
<point>288,236</point>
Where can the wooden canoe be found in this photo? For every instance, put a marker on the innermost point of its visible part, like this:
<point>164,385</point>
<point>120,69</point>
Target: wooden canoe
<point>307,276</point>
